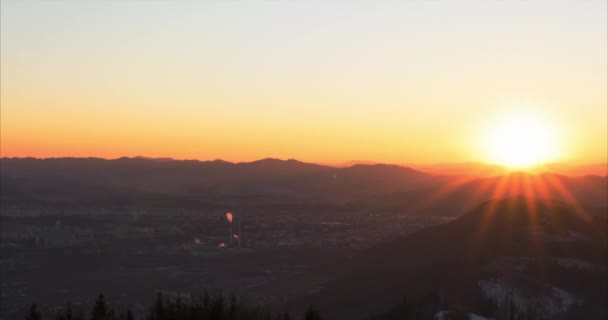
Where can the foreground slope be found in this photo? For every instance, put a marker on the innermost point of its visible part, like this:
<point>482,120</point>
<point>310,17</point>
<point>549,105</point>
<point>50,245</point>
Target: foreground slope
<point>513,253</point>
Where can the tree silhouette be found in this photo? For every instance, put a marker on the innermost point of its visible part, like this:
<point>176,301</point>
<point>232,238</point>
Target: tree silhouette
<point>206,299</point>
<point>33,313</point>
<point>159,307</point>
<point>68,314</point>
<point>166,307</point>
<point>100,310</point>
<point>312,314</point>
<point>232,308</point>
<point>216,309</point>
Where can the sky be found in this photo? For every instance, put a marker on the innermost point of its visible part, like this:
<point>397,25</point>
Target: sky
<point>319,81</point>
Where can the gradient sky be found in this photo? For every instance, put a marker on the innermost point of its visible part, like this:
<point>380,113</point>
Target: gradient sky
<point>326,82</point>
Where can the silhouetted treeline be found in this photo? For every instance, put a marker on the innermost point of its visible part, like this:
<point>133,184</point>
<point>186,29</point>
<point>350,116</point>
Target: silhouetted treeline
<point>207,307</point>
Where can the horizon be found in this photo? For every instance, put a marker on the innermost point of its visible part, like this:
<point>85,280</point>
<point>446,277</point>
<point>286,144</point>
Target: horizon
<point>405,163</point>
<point>446,168</point>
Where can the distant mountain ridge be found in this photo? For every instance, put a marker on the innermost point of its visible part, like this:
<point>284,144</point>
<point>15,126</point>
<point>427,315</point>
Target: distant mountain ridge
<point>487,170</point>
<point>473,169</point>
<point>192,181</point>
<point>166,182</point>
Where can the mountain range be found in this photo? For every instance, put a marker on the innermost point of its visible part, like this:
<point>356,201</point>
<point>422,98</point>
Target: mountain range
<point>185,183</point>
<point>518,244</point>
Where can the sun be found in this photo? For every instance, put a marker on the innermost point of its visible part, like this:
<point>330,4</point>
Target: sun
<point>521,142</point>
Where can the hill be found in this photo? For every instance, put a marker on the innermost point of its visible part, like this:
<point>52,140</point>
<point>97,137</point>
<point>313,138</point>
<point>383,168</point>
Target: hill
<point>394,189</point>
<point>510,253</point>
<point>456,195</point>
<point>474,169</point>
<point>126,181</point>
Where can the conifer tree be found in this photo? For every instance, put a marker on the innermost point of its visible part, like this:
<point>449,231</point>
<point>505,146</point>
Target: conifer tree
<point>206,299</point>
<point>233,308</point>
<point>312,314</point>
<point>129,315</point>
<point>67,315</point>
<point>33,313</point>
<point>100,310</point>
<point>216,309</point>
<point>159,308</point>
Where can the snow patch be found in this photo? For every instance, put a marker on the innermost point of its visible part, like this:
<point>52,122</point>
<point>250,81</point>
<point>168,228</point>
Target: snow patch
<point>499,292</point>
<point>574,235</point>
<point>565,299</point>
<point>502,293</point>
<point>445,315</point>
<point>573,263</point>
<point>473,316</point>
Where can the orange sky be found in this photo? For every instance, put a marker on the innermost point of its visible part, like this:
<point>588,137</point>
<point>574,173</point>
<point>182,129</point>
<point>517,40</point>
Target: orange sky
<point>389,82</point>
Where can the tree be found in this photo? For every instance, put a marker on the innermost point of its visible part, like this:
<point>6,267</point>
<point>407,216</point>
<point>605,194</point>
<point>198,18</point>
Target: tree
<point>216,309</point>
<point>312,314</point>
<point>67,315</point>
<point>169,308</point>
<point>159,308</point>
<point>68,312</point>
<point>111,315</point>
<point>511,311</point>
<point>530,312</point>
<point>233,307</point>
<point>129,315</point>
<point>206,299</point>
<point>100,310</point>
<point>79,315</point>
<point>33,313</point>
<point>282,316</point>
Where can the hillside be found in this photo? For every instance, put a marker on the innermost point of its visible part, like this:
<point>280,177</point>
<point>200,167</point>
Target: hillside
<point>170,183</point>
<point>541,255</point>
<point>129,181</point>
<point>455,196</point>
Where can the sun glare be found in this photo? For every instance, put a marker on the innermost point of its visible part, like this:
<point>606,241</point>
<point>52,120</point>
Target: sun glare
<point>521,142</point>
